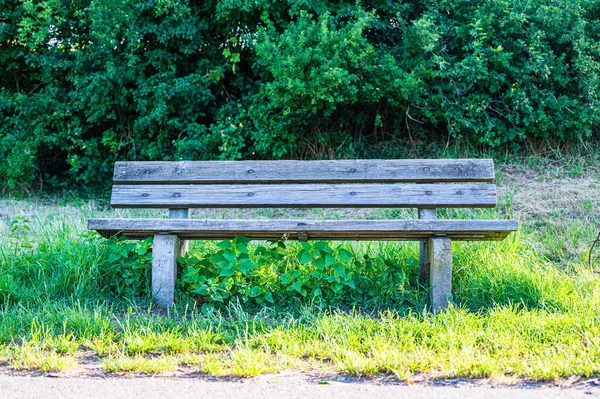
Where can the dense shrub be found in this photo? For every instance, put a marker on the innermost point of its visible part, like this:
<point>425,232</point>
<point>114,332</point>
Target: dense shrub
<point>83,83</point>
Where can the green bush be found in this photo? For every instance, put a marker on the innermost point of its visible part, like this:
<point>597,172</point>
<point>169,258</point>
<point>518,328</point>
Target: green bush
<point>84,83</point>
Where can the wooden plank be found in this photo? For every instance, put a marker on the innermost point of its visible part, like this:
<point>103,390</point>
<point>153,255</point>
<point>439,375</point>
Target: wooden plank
<point>374,230</point>
<point>288,171</point>
<point>455,195</point>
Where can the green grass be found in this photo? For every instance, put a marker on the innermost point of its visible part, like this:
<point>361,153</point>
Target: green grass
<point>527,307</point>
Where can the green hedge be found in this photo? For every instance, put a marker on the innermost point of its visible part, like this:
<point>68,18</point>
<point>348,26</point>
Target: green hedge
<point>83,83</point>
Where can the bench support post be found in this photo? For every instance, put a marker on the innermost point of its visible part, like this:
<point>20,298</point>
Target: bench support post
<point>425,213</point>
<point>439,258</point>
<point>165,250</point>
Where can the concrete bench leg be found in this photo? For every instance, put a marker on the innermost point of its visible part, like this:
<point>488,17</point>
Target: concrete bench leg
<point>427,214</point>
<point>439,259</point>
<point>165,250</point>
<point>181,214</point>
<point>423,262</point>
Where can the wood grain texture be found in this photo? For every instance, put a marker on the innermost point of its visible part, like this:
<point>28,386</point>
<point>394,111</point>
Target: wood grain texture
<point>374,230</point>
<point>455,195</point>
<point>341,171</point>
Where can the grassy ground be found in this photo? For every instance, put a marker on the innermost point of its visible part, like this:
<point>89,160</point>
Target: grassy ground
<point>527,307</point>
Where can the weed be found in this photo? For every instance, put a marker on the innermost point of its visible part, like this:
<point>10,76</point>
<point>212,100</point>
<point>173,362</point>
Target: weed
<point>270,272</point>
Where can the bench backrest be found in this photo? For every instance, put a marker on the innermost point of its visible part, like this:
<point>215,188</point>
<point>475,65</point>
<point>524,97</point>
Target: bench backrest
<point>439,183</point>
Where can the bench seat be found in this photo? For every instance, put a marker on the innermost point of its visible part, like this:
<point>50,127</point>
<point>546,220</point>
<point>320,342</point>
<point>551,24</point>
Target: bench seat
<point>375,230</point>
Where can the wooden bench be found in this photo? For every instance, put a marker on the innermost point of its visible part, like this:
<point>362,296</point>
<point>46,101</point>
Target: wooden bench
<point>422,184</point>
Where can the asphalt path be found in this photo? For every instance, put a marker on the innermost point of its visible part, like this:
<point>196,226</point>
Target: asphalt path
<point>18,386</point>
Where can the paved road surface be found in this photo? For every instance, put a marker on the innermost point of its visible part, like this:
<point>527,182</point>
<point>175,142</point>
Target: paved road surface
<point>289,388</point>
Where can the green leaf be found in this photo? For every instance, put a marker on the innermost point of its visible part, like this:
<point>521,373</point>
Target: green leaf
<point>269,297</point>
<point>345,255</point>
<point>339,269</point>
<point>319,263</point>
<point>323,246</point>
<point>113,247</point>
<point>224,244</point>
<point>304,257</point>
<point>260,250</point>
<point>227,272</point>
<point>138,265</point>
<point>194,261</point>
<point>285,279</point>
<point>229,255</point>
<point>297,286</point>
<point>191,277</point>
<point>201,290</point>
<point>253,292</point>
<point>218,258</point>
<point>329,260</point>
<point>217,297</point>
<point>130,246</point>
<point>241,247</point>
<point>246,265</point>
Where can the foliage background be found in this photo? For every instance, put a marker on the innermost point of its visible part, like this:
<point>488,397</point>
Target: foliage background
<point>83,83</point>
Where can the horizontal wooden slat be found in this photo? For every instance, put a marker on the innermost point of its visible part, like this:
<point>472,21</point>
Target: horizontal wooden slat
<point>455,195</point>
<point>342,171</point>
<point>374,230</point>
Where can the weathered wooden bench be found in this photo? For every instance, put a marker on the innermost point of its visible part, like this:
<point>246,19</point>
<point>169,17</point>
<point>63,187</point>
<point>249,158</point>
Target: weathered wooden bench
<point>422,184</point>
